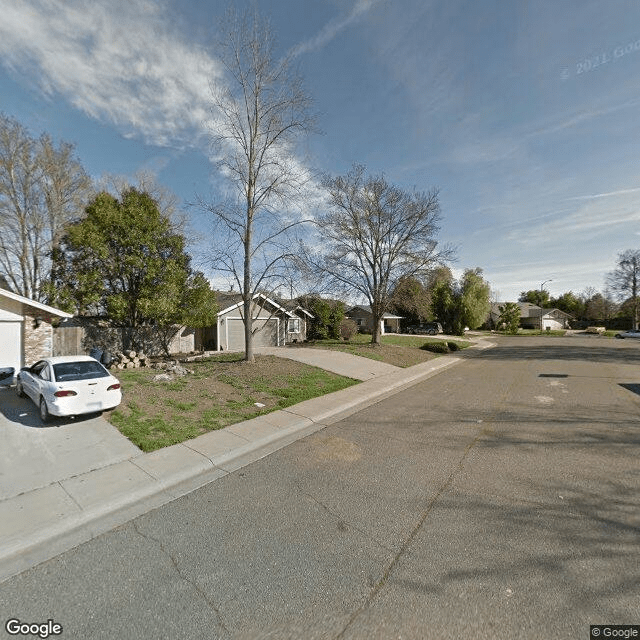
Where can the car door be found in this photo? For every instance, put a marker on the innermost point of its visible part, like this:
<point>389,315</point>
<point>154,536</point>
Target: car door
<point>43,382</point>
<point>30,379</point>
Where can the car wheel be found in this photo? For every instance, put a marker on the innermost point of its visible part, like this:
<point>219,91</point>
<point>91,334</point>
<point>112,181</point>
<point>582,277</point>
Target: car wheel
<point>432,332</point>
<point>20,390</point>
<point>45,416</point>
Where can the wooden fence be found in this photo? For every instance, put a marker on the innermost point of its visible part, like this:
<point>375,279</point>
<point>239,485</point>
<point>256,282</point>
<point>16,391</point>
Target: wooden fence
<point>78,340</point>
<point>67,341</point>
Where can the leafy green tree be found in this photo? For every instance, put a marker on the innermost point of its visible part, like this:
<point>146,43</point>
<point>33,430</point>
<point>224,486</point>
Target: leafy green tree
<point>509,317</point>
<point>535,296</point>
<point>475,294</point>
<point>569,303</point>
<point>445,305</point>
<point>461,304</point>
<point>327,317</point>
<point>599,306</point>
<point>125,260</point>
<point>411,300</point>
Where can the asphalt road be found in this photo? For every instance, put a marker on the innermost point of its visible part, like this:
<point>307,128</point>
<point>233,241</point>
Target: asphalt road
<point>498,499</point>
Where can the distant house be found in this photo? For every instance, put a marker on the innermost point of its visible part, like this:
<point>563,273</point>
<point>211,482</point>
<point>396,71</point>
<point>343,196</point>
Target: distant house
<point>273,323</point>
<point>26,332</point>
<point>363,317</point>
<point>530,317</point>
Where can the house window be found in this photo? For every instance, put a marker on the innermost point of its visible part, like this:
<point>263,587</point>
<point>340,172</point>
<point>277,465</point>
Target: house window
<point>294,325</point>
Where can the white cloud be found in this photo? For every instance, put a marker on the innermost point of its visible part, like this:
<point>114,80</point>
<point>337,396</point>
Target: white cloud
<point>605,195</point>
<point>125,63</point>
<point>114,60</point>
<point>333,28</point>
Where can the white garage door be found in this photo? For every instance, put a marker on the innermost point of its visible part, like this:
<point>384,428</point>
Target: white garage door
<point>265,336</point>
<point>11,344</point>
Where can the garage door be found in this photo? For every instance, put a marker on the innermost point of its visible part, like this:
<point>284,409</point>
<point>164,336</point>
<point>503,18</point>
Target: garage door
<point>11,344</point>
<point>266,333</point>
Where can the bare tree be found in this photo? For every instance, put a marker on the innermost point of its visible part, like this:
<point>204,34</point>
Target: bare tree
<point>42,188</point>
<point>373,235</point>
<point>625,278</point>
<point>66,188</point>
<point>258,116</point>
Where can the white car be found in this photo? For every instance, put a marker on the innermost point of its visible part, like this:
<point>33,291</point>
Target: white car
<point>69,386</point>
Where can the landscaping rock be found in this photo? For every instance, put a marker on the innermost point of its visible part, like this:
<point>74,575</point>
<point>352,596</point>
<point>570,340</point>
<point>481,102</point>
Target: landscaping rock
<point>162,377</point>
<point>178,370</point>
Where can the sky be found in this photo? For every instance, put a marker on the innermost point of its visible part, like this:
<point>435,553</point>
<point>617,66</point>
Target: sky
<point>525,115</point>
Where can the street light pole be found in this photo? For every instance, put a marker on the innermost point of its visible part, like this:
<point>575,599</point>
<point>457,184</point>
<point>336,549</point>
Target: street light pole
<point>541,307</point>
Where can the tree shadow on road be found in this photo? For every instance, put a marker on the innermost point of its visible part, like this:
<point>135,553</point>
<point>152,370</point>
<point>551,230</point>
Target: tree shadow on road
<point>613,352</point>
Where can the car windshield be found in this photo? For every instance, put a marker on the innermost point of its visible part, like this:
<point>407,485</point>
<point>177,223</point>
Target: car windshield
<point>82,370</point>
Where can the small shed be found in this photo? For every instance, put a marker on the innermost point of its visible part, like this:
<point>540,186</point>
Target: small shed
<point>26,333</point>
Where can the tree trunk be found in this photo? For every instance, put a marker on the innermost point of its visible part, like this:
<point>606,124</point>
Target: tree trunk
<point>377,319</point>
<point>248,319</point>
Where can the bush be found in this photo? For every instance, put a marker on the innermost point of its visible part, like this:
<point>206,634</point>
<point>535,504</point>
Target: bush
<point>453,346</point>
<point>435,347</point>
<point>348,329</point>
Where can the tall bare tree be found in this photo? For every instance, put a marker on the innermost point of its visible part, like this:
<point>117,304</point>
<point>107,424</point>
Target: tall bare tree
<point>259,114</point>
<point>373,235</point>
<point>624,280</point>
<point>42,188</point>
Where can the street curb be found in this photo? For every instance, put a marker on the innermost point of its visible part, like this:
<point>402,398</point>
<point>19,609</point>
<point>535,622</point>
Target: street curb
<point>151,480</point>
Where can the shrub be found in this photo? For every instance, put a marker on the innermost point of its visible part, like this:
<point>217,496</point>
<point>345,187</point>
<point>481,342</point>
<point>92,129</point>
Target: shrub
<point>453,346</point>
<point>435,347</point>
<point>348,329</point>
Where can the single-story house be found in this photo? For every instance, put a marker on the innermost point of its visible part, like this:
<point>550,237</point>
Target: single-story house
<point>26,333</point>
<point>530,317</point>
<point>273,324</point>
<point>297,326</point>
<point>363,317</point>
<point>534,317</point>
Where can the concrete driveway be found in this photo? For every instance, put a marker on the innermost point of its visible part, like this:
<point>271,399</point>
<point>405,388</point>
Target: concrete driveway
<point>34,454</point>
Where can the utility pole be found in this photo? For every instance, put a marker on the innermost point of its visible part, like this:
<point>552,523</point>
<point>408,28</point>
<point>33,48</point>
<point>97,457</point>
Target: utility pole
<point>541,307</point>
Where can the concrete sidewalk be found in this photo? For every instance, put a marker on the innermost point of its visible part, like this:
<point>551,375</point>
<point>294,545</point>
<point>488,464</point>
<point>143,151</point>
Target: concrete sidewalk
<point>40,524</point>
<point>344,364</point>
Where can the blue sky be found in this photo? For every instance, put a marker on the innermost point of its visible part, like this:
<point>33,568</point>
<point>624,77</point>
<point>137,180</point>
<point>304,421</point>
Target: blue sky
<point>526,115</point>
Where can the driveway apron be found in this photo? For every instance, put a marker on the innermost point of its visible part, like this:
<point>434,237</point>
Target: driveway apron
<point>34,454</point>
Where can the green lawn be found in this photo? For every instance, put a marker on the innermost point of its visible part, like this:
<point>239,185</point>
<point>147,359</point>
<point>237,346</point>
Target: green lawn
<point>221,391</point>
<point>398,350</point>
